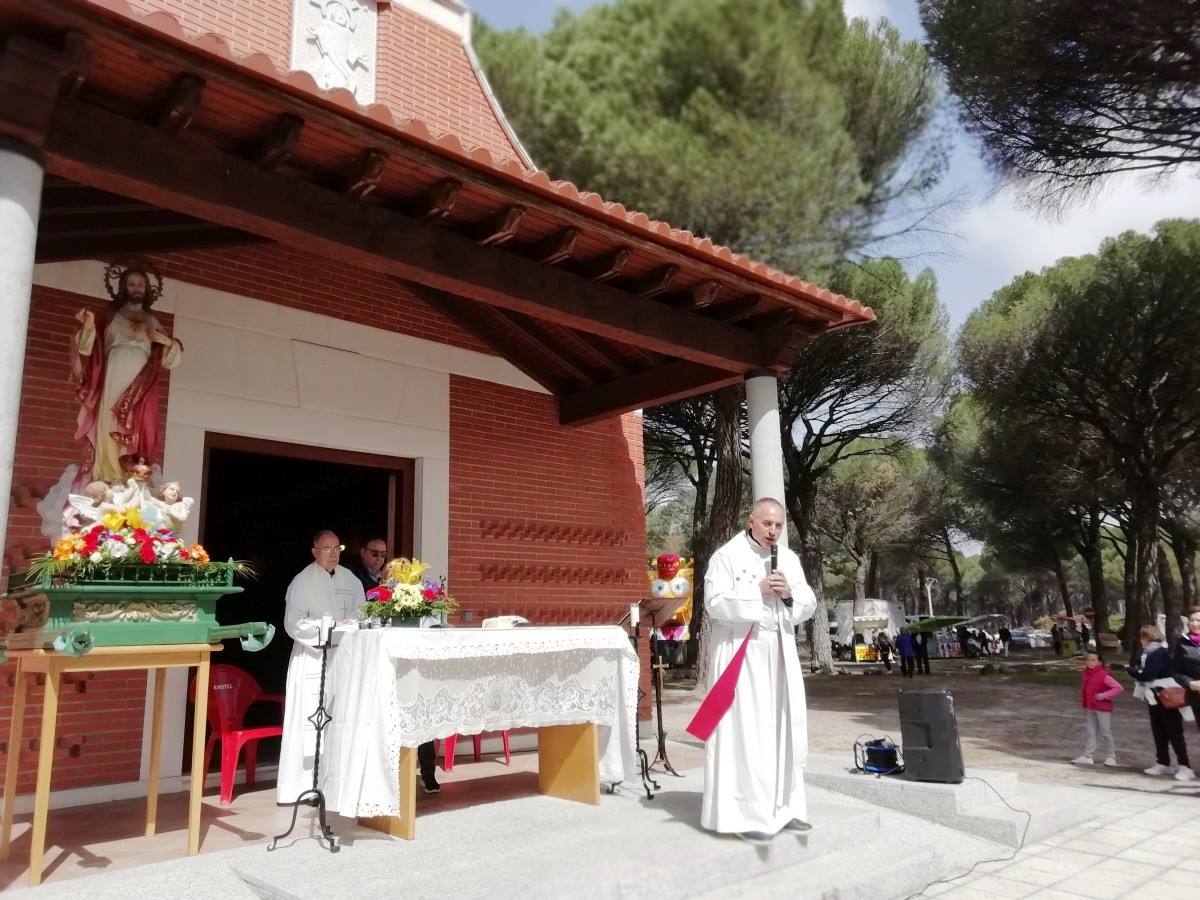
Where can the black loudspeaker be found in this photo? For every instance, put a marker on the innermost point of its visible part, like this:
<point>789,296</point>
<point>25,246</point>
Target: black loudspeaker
<point>929,737</point>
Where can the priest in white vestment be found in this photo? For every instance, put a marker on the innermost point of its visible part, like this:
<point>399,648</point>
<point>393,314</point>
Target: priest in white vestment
<point>754,760</point>
<point>321,589</point>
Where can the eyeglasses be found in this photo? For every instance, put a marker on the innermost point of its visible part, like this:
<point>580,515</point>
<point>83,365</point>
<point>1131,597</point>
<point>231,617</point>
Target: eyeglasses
<point>376,553</point>
<point>338,549</point>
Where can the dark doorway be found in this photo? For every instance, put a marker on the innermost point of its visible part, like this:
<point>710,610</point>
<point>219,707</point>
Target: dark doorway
<point>262,503</point>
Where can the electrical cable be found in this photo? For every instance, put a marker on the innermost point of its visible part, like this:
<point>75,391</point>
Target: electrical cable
<point>1020,844</point>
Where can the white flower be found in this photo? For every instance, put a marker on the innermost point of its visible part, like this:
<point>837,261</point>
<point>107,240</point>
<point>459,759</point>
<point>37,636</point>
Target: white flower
<point>117,549</point>
<point>167,550</point>
<point>129,541</point>
<point>96,557</point>
<point>407,596</point>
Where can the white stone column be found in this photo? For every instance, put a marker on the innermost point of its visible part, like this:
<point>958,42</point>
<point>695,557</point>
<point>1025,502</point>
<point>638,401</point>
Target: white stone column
<point>20,198</point>
<point>766,444</point>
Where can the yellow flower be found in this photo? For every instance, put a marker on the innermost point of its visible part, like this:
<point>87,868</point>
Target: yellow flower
<point>65,548</point>
<point>406,571</point>
<point>133,517</point>
<point>114,521</point>
<point>198,554</point>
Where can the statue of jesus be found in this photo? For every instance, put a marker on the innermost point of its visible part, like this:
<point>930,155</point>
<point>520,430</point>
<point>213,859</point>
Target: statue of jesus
<point>116,364</point>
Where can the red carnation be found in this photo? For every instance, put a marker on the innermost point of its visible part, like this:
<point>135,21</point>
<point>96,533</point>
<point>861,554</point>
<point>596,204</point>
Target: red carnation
<point>147,553</point>
<point>430,592</point>
<point>380,594</point>
<point>91,541</point>
<point>140,535</point>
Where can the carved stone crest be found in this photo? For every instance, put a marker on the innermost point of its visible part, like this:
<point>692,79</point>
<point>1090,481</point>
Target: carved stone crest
<point>334,41</point>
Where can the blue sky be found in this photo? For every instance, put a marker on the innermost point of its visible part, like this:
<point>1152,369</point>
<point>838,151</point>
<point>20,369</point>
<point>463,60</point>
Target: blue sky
<point>992,235</point>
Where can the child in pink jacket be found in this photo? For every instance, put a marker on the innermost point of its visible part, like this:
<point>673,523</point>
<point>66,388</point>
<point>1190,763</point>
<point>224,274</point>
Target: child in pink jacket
<point>1097,689</point>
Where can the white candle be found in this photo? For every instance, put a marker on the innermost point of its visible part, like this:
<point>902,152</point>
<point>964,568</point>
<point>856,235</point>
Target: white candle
<point>635,614</point>
<point>326,628</point>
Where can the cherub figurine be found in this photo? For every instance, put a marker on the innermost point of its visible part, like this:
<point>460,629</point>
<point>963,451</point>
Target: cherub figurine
<point>99,498</point>
<point>168,507</point>
<point>96,500</point>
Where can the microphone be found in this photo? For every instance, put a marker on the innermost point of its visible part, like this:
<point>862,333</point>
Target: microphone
<point>787,601</point>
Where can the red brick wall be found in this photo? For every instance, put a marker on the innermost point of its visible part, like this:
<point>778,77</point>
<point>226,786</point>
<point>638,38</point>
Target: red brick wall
<point>545,521</point>
<point>423,71</point>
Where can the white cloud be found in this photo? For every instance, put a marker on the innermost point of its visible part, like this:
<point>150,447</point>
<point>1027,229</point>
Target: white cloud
<point>1002,238</point>
<point>869,9</point>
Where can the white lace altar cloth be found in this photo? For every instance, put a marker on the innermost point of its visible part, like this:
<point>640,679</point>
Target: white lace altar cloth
<point>399,687</point>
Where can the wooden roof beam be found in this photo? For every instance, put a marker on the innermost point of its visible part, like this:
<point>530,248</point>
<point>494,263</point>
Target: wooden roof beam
<point>556,248</point>
<point>545,347</point>
<point>662,384</point>
<point>102,149</point>
<point>276,146</point>
<point>439,201</point>
<point>502,227</point>
<point>607,266</point>
<point>478,320</point>
<point>181,104</point>
<point>657,282</point>
<point>735,310</point>
<point>604,353</point>
<point>149,46</point>
<point>362,176</point>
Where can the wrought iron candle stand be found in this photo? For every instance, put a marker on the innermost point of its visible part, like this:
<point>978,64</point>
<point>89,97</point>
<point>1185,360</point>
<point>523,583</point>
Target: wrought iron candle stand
<point>315,796</point>
<point>659,609</point>
<point>649,785</point>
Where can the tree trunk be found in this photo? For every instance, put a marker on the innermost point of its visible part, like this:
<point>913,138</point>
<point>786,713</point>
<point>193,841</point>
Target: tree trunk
<point>1064,588</point>
<point>1094,561</point>
<point>1184,546</point>
<point>1129,586</point>
<point>861,569</point>
<point>873,577</point>
<point>1144,514</point>
<point>724,512</point>
<point>801,502</point>
<point>1172,610</point>
<point>953,560</point>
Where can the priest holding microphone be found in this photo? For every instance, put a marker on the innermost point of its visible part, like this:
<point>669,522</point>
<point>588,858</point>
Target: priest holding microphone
<point>754,719</point>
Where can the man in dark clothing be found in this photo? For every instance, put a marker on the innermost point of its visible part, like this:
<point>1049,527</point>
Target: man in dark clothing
<point>1056,639</point>
<point>906,647</point>
<point>921,639</point>
<point>1084,635</point>
<point>1005,639</point>
<point>369,567</point>
<point>964,639</point>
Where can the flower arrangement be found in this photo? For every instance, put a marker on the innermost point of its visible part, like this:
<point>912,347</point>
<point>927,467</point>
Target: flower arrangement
<point>404,594</point>
<point>120,542</point>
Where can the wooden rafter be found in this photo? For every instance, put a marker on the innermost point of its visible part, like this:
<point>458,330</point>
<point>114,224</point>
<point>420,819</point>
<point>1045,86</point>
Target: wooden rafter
<point>148,47</point>
<point>532,334</point>
<point>92,146</point>
<point>478,320</point>
<point>672,381</point>
<point>557,247</point>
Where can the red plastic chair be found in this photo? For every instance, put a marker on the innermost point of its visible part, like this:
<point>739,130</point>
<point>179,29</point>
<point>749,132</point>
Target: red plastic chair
<point>231,692</point>
<point>450,744</point>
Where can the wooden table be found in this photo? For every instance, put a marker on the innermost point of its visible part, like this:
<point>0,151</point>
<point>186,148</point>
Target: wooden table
<point>568,768</point>
<point>101,659</point>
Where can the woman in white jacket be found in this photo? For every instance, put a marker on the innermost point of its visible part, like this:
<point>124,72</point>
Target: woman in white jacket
<point>1153,671</point>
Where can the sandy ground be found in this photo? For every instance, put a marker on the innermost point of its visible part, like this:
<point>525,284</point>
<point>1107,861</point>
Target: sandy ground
<point>1026,721</point>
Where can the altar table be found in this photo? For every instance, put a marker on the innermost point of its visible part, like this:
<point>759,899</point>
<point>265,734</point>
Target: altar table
<point>391,689</point>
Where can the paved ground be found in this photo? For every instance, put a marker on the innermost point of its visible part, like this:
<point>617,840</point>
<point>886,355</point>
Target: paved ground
<point>1026,721</point>
<point>1144,840</point>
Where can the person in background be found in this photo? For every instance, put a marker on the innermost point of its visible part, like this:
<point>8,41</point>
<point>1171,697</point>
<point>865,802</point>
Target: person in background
<point>906,649</point>
<point>1056,639</point>
<point>1005,640</point>
<point>964,640</point>
<point>1097,689</point>
<point>1185,662</point>
<point>884,645</point>
<point>921,639</point>
<point>1084,636</point>
<point>1151,672</point>
<point>371,559</point>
